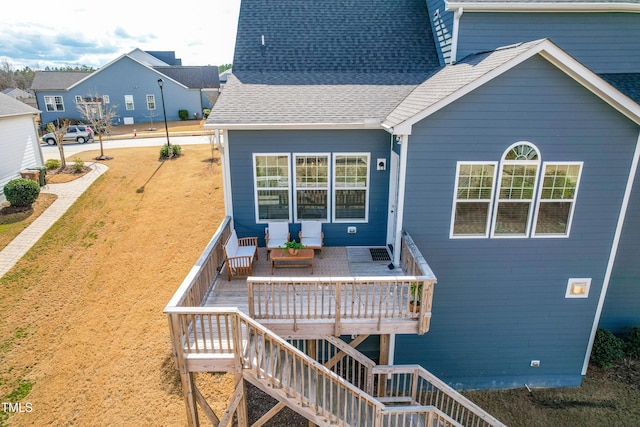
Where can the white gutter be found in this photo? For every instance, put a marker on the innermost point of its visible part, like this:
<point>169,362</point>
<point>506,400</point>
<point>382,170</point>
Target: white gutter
<point>404,150</point>
<point>543,7</point>
<point>612,255</point>
<point>457,14</point>
<point>293,126</point>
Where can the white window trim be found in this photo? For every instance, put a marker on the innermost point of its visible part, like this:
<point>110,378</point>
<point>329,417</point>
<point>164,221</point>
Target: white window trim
<point>335,189</point>
<point>53,102</point>
<point>255,188</point>
<point>126,104</point>
<point>105,99</point>
<point>455,201</point>
<point>295,187</point>
<point>573,282</point>
<point>573,203</point>
<point>503,161</point>
<point>153,97</point>
<point>78,99</point>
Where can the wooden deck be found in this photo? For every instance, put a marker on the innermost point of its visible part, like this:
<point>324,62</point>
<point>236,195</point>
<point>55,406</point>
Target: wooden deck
<point>335,262</point>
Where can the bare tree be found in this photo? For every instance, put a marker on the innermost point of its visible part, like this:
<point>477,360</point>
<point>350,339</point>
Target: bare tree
<point>59,135</point>
<point>100,117</point>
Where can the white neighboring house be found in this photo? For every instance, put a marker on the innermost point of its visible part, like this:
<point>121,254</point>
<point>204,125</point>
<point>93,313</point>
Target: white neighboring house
<point>19,142</point>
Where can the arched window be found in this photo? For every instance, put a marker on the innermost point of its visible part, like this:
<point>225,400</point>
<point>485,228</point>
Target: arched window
<point>516,190</point>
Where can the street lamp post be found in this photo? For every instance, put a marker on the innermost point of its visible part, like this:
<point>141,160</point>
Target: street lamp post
<point>164,111</point>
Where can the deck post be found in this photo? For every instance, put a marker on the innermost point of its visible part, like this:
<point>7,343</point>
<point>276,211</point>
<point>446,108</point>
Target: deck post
<point>238,346</point>
<point>186,377</point>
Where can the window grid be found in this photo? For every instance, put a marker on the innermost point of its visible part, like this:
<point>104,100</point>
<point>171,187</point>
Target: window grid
<point>351,192</point>
<point>557,199</point>
<point>312,186</point>
<point>473,199</point>
<point>128,102</point>
<point>54,103</point>
<point>151,102</point>
<point>272,189</point>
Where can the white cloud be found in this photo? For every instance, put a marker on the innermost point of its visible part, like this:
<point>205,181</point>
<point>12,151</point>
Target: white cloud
<point>94,33</point>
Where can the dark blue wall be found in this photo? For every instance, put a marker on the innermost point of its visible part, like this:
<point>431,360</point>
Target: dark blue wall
<point>500,303</point>
<point>621,309</point>
<point>604,42</point>
<point>242,145</point>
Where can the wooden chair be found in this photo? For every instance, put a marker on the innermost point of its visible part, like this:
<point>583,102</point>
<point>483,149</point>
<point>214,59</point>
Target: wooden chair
<point>239,255</point>
<point>276,235</point>
<point>311,235</point>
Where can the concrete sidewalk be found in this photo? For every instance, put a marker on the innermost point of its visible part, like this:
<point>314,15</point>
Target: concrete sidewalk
<point>67,194</point>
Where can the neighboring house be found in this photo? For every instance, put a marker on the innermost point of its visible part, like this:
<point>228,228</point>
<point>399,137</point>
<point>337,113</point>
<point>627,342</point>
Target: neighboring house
<point>21,95</point>
<point>19,144</point>
<point>129,86</point>
<point>506,145</point>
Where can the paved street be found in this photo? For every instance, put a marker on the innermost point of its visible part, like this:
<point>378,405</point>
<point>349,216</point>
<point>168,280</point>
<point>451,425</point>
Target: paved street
<point>51,151</point>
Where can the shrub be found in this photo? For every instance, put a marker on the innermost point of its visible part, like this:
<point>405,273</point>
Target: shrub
<point>607,349</point>
<point>633,343</point>
<point>206,112</point>
<point>78,165</point>
<point>52,164</point>
<point>169,151</point>
<point>21,192</point>
<point>183,114</point>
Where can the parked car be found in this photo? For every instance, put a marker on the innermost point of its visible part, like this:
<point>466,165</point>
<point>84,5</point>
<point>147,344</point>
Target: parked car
<point>78,133</point>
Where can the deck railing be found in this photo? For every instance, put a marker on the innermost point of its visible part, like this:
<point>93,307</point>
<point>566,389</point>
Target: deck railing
<point>340,300</point>
<point>414,385</point>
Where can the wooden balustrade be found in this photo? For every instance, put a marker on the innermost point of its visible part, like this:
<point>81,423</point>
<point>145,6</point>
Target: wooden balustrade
<point>348,302</point>
<point>413,385</point>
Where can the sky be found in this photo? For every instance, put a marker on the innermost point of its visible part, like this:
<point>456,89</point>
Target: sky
<point>94,33</point>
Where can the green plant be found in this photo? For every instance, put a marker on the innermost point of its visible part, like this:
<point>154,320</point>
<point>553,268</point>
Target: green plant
<point>206,112</point>
<point>415,292</point>
<point>169,151</point>
<point>21,192</point>
<point>183,114</point>
<point>292,245</point>
<point>607,349</point>
<point>78,165</point>
<point>633,343</point>
<point>52,164</point>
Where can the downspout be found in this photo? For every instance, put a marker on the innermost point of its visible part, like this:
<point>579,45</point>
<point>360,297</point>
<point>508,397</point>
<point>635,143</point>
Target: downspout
<point>457,14</point>
<point>226,177</point>
<point>612,255</point>
<point>404,149</point>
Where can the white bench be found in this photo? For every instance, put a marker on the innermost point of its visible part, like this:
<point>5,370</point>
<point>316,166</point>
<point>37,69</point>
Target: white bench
<point>239,255</point>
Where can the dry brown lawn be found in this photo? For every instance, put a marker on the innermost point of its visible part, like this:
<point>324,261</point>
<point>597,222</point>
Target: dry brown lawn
<point>82,319</point>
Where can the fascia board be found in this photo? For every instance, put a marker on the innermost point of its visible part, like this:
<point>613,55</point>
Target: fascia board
<point>543,7</point>
<point>290,126</point>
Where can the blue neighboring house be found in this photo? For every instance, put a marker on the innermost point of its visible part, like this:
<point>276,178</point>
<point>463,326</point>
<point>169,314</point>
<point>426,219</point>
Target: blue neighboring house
<point>500,135</point>
<point>129,86</point>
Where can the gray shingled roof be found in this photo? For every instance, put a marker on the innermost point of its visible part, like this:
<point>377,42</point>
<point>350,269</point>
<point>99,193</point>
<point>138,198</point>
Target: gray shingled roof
<point>368,36</point>
<point>56,80</point>
<point>552,1</point>
<point>12,107</point>
<point>331,99</point>
<point>452,78</point>
<point>627,83</point>
<point>193,76</point>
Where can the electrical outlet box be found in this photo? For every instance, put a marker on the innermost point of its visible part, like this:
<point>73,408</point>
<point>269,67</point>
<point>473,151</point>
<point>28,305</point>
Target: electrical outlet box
<point>535,363</point>
<point>351,230</point>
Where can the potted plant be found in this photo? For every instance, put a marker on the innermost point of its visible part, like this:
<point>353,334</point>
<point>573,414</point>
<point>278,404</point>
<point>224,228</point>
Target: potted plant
<point>293,247</point>
<point>415,296</point>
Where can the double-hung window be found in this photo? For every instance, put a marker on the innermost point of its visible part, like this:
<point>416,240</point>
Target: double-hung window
<point>516,188</point>
<point>128,102</point>
<point>311,186</point>
<point>151,102</point>
<point>272,187</point>
<point>556,199</point>
<point>351,187</point>
<point>54,103</point>
<point>473,199</point>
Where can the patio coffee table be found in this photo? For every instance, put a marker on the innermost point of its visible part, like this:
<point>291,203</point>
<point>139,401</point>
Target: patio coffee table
<point>304,258</point>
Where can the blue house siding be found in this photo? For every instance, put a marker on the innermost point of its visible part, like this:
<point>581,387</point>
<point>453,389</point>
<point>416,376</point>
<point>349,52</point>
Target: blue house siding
<point>128,77</point>
<point>242,145</point>
<point>442,27</point>
<point>601,41</point>
<point>621,309</point>
<point>500,303</point>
